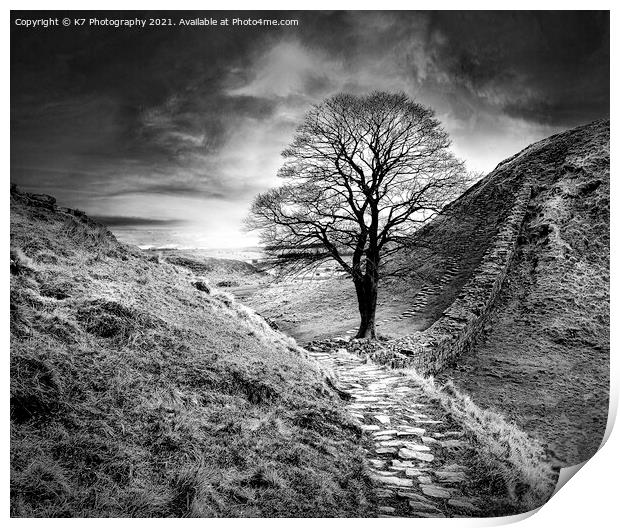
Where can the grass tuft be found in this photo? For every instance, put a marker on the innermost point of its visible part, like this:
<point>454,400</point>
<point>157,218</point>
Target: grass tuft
<point>37,389</point>
<point>110,319</point>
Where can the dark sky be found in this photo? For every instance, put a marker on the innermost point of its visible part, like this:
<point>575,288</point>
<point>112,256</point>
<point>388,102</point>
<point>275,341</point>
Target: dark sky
<point>167,134</point>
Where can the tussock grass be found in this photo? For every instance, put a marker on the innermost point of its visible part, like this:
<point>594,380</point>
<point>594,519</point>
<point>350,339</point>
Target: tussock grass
<point>88,234</point>
<point>37,388</point>
<point>506,456</point>
<point>133,393</point>
<point>20,264</point>
<point>110,319</point>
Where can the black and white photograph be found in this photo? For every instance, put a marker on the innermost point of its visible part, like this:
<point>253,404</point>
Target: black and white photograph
<point>306,263</point>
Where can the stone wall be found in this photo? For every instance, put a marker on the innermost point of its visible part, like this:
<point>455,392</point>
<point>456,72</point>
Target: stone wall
<point>437,347</point>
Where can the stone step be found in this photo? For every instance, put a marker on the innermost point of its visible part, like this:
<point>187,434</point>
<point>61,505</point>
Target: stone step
<point>463,504</point>
<point>396,481</point>
<point>412,446</point>
<point>435,491</point>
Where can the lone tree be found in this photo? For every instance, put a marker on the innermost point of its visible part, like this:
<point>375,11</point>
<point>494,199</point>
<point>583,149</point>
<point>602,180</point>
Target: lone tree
<point>361,175</point>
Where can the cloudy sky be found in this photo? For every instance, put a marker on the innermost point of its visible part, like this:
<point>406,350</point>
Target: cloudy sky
<point>166,134</point>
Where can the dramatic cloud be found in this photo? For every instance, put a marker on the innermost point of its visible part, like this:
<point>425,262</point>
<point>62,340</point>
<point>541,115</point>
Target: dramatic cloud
<point>166,134</point>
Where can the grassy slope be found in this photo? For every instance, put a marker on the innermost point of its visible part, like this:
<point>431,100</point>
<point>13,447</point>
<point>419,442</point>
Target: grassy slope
<point>221,271</point>
<point>135,394</point>
<point>462,234</point>
<point>544,359</point>
<point>306,309</point>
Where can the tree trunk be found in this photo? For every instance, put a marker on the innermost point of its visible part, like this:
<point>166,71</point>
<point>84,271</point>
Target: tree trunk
<point>366,289</point>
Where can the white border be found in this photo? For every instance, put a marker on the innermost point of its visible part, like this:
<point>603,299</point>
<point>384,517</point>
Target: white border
<point>589,499</point>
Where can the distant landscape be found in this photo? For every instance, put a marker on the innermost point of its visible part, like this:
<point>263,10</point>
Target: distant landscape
<point>251,255</point>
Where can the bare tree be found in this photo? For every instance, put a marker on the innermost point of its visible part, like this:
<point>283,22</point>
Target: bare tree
<point>361,175</point>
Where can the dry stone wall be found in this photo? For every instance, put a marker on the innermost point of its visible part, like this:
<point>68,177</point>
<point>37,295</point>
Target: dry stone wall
<point>437,347</point>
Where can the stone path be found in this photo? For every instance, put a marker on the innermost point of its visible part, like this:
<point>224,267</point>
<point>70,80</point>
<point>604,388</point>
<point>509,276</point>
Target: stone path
<point>416,451</point>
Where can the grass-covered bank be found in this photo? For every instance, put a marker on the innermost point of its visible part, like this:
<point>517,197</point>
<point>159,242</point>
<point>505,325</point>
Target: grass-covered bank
<point>506,459</point>
<point>136,390</point>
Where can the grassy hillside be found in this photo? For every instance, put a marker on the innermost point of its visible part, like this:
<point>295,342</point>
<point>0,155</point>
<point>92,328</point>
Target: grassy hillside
<point>138,390</point>
<point>544,357</point>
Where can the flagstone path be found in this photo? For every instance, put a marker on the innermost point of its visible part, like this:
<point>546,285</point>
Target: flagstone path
<point>417,450</point>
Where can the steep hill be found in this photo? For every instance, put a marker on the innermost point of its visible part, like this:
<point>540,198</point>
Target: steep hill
<point>138,390</point>
<point>543,358</point>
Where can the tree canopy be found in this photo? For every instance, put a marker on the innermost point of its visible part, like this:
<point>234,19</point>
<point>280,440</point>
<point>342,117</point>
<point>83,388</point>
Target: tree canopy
<point>361,175</point>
